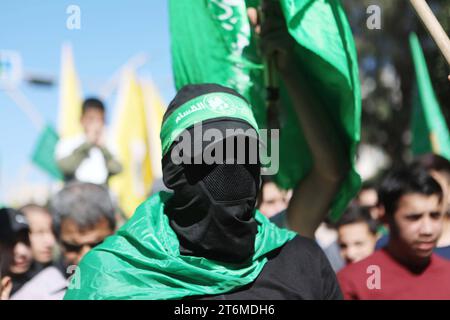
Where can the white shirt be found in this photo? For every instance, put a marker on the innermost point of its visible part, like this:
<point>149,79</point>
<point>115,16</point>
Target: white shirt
<point>49,284</point>
<point>93,168</point>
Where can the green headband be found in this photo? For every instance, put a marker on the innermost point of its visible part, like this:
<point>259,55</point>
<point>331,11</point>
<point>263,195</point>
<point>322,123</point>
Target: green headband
<point>204,107</point>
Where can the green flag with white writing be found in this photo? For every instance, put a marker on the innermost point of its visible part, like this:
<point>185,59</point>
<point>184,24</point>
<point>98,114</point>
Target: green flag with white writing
<point>212,42</point>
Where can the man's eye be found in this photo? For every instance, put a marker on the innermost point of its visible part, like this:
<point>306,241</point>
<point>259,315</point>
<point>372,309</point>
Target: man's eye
<point>435,215</point>
<point>413,217</point>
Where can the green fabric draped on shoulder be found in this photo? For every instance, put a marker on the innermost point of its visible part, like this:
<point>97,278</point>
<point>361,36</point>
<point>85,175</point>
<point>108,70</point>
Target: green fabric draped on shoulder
<point>142,261</point>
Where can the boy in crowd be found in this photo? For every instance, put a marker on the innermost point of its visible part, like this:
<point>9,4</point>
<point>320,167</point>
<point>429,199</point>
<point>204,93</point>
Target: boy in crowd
<point>42,237</point>
<point>439,168</point>
<point>357,234</point>
<point>272,199</point>
<point>86,158</point>
<point>406,268</point>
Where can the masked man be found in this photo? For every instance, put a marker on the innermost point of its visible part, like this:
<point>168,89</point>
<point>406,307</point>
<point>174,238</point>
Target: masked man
<point>205,240</point>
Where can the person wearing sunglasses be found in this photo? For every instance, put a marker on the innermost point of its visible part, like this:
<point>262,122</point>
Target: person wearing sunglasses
<point>84,217</point>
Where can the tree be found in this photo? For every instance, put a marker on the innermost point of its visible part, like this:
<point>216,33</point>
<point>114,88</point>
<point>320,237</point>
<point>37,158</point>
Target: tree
<point>387,73</point>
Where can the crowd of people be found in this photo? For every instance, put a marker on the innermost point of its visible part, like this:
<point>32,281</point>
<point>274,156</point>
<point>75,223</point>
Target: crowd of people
<point>397,228</point>
<point>41,246</point>
<point>401,226</point>
<point>204,239</point>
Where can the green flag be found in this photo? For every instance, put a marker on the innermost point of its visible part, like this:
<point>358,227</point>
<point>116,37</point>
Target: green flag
<point>44,152</point>
<point>429,129</point>
<point>212,42</point>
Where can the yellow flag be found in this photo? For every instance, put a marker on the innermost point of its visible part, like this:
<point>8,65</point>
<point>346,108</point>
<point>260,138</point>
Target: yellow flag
<point>69,96</point>
<point>131,138</point>
<point>155,108</point>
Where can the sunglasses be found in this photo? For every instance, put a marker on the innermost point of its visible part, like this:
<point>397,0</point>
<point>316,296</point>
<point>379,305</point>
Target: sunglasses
<point>70,247</point>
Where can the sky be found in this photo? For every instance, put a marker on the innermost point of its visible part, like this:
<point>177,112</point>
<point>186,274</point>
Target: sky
<point>110,33</point>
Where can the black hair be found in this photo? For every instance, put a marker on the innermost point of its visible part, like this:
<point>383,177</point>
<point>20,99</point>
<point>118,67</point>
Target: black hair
<point>84,203</point>
<point>265,180</point>
<point>411,179</point>
<point>369,184</point>
<point>92,103</point>
<point>356,214</point>
<point>434,162</point>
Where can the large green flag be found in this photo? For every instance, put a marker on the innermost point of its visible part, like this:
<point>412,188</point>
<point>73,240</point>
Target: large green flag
<point>429,129</point>
<point>44,152</point>
<point>212,42</point>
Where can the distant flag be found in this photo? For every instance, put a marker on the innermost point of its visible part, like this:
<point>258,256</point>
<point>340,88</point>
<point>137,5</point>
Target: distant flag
<point>69,96</point>
<point>430,133</point>
<point>155,108</point>
<point>131,137</point>
<point>68,119</point>
<point>44,152</point>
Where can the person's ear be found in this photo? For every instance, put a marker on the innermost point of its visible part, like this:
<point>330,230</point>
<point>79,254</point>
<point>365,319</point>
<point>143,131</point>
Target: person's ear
<point>288,196</point>
<point>5,288</point>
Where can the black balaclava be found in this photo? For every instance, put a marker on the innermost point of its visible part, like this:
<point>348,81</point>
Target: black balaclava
<point>212,208</point>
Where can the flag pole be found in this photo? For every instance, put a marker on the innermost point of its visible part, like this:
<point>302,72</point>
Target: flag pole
<point>134,63</point>
<point>27,107</point>
<point>271,82</point>
<point>433,26</point>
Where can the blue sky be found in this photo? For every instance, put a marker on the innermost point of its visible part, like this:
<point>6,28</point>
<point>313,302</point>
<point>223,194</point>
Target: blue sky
<point>111,32</point>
